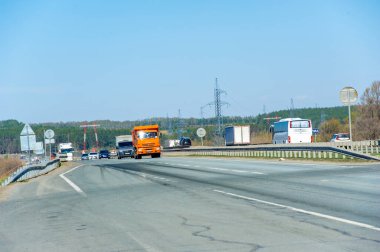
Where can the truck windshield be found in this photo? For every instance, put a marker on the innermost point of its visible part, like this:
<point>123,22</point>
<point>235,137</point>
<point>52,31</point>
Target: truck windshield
<point>67,150</point>
<point>143,134</point>
<point>125,144</point>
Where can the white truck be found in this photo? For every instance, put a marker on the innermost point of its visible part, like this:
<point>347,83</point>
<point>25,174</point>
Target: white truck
<point>238,135</point>
<point>124,146</point>
<point>65,151</point>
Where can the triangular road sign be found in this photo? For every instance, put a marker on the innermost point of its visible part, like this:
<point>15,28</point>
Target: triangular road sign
<point>27,130</point>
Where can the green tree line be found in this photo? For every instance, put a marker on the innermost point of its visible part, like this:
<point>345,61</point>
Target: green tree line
<point>172,128</point>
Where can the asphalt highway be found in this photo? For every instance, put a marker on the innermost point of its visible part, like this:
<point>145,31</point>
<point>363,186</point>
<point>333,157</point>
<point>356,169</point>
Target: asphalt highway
<point>194,204</point>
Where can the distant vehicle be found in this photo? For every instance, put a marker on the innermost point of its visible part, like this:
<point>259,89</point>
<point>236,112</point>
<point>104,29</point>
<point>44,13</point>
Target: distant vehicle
<point>238,135</point>
<point>65,151</point>
<point>113,153</point>
<point>124,146</point>
<point>184,142</point>
<point>84,156</point>
<point>93,155</point>
<point>340,137</point>
<point>171,143</point>
<point>146,141</point>
<point>104,154</point>
<point>292,130</point>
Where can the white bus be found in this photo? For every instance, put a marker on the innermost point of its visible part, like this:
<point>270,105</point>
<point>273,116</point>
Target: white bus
<point>292,130</point>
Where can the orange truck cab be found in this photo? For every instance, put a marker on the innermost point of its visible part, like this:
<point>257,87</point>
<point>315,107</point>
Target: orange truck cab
<point>146,141</point>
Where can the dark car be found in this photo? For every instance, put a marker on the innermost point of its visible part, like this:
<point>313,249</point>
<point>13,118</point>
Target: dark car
<point>185,142</point>
<point>104,154</point>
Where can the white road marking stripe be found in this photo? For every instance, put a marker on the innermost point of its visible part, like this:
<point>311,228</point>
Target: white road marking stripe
<point>260,173</point>
<point>76,188</point>
<point>325,216</point>
<point>234,170</point>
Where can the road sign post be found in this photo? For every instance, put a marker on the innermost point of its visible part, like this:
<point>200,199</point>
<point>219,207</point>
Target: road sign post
<point>315,132</point>
<point>48,135</point>
<point>348,96</point>
<point>201,132</point>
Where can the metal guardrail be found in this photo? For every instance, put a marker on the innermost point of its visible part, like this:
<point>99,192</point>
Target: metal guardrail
<point>274,148</point>
<point>31,171</point>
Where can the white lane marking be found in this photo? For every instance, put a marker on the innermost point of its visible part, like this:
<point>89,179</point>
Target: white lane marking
<point>76,188</point>
<point>234,170</point>
<point>260,173</point>
<point>325,216</point>
<point>145,246</point>
<point>151,177</point>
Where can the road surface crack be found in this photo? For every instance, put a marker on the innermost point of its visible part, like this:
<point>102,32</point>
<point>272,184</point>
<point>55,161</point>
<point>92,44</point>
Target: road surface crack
<point>203,229</point>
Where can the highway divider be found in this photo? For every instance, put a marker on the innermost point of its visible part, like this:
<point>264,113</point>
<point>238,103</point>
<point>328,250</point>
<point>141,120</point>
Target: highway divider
<point>31,171</point>
<point>299,151</point>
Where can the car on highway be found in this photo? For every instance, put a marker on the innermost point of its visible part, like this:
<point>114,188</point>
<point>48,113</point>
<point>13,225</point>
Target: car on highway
<point>113,153</point>
<point>185,142</point>
<point>125,149</point>
<point>340,137</point>
<point>104,154</point>
<point>84,156</point>
<point>93,155</point>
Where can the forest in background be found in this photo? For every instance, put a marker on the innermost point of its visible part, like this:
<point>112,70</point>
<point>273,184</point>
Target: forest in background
<point>171,128</point>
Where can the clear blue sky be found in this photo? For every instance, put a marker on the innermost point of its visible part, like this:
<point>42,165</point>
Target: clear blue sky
<point>74,60</point>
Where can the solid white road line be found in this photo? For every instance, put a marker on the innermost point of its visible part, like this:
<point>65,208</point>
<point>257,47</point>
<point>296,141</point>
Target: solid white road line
<point>325,216</point>
<point>76,188</point>
<point>234,170</point>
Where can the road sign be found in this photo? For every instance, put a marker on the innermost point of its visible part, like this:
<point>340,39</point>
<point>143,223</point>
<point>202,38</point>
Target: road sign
<point>201,132</point>
<point>27,138</point>
<point>315,131</point>
<point>27,130</point>
<point>28,143</point>
<point>49,141</point>
<point>39,148</point>
<point>348,95</point>
<point>49,134</point>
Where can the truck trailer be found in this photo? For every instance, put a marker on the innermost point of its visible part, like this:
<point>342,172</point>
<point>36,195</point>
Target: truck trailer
<point>238,135</point>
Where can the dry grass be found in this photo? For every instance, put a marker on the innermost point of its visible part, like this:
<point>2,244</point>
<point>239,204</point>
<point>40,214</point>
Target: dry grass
<point>261,138</point>
<point>8,165</point>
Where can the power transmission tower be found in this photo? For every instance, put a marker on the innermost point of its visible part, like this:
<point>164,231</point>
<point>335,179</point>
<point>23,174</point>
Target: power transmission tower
<point>218,103</point>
